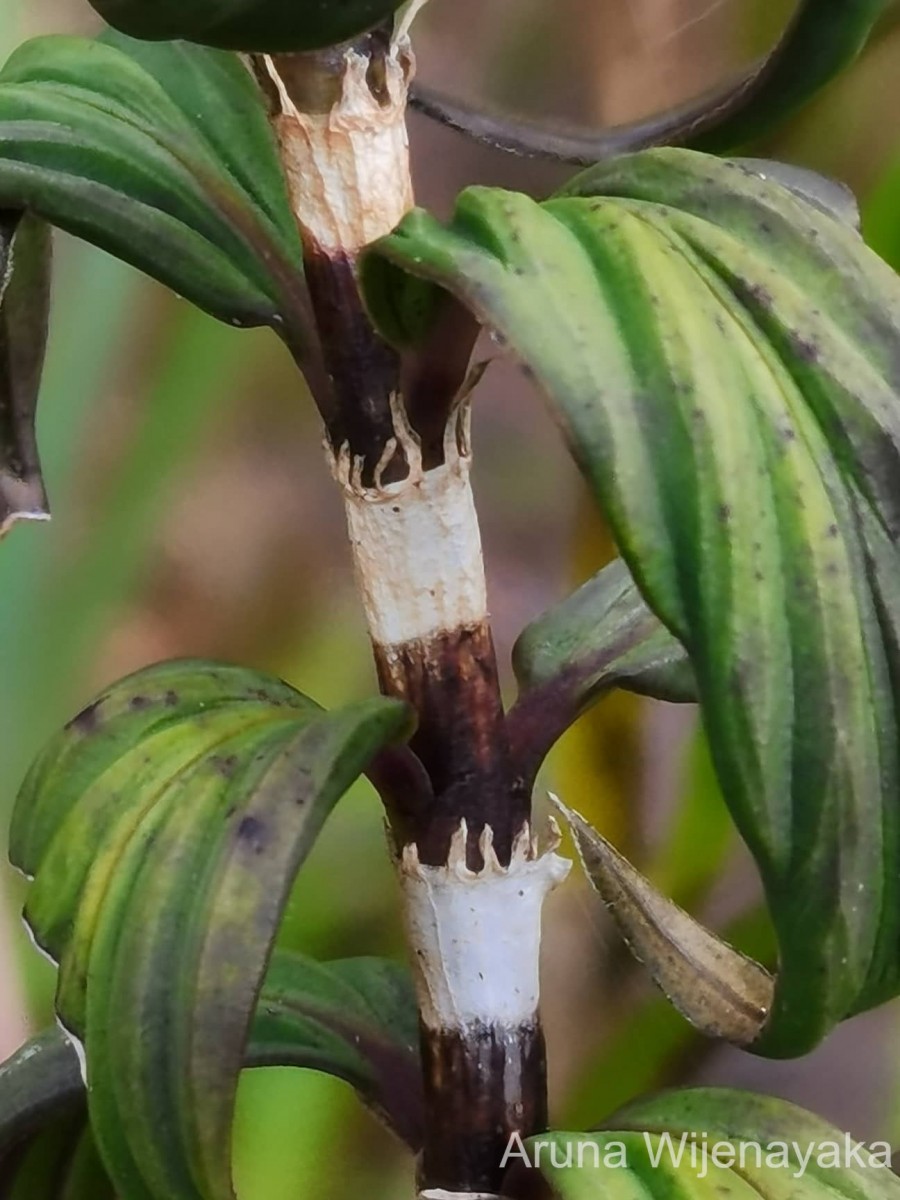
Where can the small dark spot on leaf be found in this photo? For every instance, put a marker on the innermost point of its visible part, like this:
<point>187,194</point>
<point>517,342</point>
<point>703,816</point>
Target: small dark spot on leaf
<point>252,831</point>
<point>87,720</point>
<point>805,350</point>
<point>833,531</point>
<point>723,512</point>
<point>755,293</point>
<point>138,702</point>
<point>225,764</point>
<point>171,699</point>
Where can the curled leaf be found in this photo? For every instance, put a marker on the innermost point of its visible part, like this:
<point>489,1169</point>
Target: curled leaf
<point>164,827</point>
<point>163,156</point>
<point>724,359</point>
<point>830,196</point>
<point>46,1149</point>
<point>822,38</point>
<point>355,1019</point>
<point>41,1078</point>
<point>700,1143</point>
<point>603,636</point>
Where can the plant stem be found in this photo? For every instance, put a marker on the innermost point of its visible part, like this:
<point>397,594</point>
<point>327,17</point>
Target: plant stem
<point>465,849</point>
<point>339,117</point>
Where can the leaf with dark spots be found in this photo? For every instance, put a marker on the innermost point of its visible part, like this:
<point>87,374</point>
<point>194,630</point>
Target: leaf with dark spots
<point>159,885</point>
<point>110,726</point>
<point>24,304</point>
<point>225,764</point>
<point>252,832</point>
<point>604,636</point>
<point>722,353</point>
<point>830,196</point>
<point>146,151</point>
<point>85,721</point>
<point>701,1143</point>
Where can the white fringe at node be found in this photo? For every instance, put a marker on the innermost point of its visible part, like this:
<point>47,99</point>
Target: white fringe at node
<point>348,169</point>
<point>416,542</point>
<point>440,1194</point>
<point>476,935</point>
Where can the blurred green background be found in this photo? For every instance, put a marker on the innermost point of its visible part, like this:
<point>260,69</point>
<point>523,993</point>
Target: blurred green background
<point>193,514</point>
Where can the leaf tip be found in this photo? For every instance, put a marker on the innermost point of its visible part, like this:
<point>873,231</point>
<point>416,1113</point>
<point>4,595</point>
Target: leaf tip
<point>720,991</point>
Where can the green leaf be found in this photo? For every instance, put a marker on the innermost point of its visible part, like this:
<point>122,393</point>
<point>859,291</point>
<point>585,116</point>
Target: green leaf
<point>763,1147</point>
<point>830,196</point>
<point>724,359</point>
<point>824,38</point>
<point>604,636</point>
<point>41,1080</point>
<point>24,305</point>
<point>164,827</point>
<point>46,1150</point>
<point>163,156</point>
<point>355,1019</point>
<point>257,25</point>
